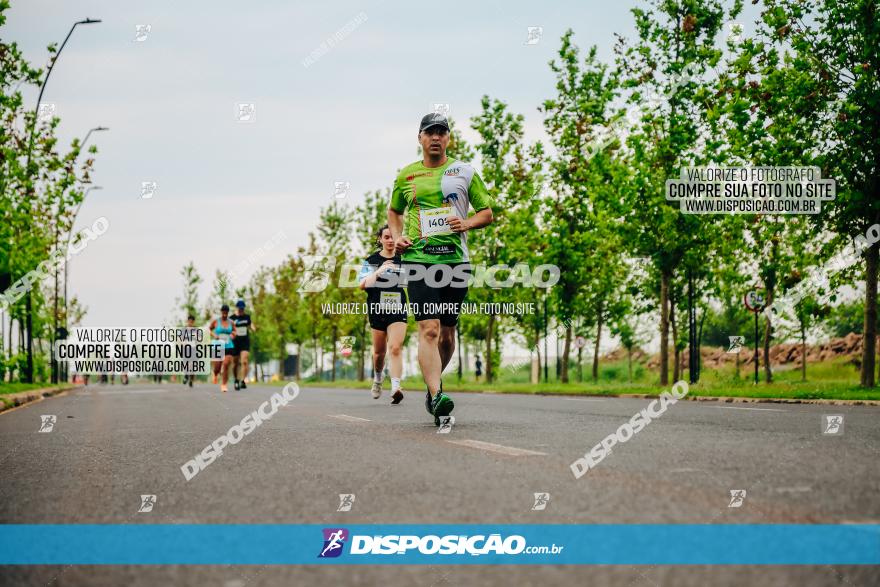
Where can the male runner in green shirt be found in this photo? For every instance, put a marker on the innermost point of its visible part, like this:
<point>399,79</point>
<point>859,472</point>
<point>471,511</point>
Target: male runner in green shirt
<point>428,217</point>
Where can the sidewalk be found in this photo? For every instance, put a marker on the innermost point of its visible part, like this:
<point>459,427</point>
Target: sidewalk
<point>13,400</point>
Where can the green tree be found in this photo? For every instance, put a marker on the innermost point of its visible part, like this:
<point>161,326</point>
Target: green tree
<point>188,303</point>
<point>501,153</point>
<point>370,215</point>
<point>625,326</point>
<point>221,293</point>
<point>581,216</point>
<point>844,318</point>
<point>666,73</point>
<point>835,47</point>
<point>290,312</point>
<point>41,186</point>
<point>335,230</point>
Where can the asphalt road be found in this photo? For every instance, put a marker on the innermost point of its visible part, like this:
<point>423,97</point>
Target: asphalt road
<point>112,444</point>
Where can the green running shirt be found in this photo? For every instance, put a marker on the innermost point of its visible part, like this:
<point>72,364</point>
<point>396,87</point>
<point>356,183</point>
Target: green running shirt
<point>427,196</point>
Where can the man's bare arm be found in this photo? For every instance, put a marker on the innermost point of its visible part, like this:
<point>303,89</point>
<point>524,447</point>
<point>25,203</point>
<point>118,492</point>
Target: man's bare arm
<point>479,220</point>
<point>395,223</point>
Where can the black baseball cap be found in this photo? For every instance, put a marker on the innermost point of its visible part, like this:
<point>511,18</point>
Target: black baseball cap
<point>433,119</point>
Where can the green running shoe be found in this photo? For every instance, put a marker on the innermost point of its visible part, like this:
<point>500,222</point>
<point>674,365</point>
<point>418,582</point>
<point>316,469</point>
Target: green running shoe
<point>428,398</point>
<point>442,404</point>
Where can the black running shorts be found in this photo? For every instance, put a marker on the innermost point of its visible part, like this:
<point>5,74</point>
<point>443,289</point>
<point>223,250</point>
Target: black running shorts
<point>430,300</point>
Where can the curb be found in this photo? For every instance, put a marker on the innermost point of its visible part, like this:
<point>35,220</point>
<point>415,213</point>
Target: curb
<point>763,400</point>
<point>693,398</point>
<point>14,400</point>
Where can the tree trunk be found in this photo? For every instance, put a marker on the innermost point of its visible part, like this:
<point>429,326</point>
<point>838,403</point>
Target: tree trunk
<point>538,352</point>
<point>803,351</point>
<point>30,340</point>
<point>768,333</point>
<point>768,371</point>
<point>363,348</point>
<point>9,347</point>
<point>55,364</point>
<point>333,356</point>
<point>664,327</point>
<point>464,347</point>
<point>629,363</point>
<point>580,365</point>
<point>460,371</point>
<point>318,367</point>
<point>499,346</point>
<point>768,327</point>
<point>565,353</point>
<point>870,328</point>
<point>596,347</point>
<point>676,367</point>
<point>489,334</point>
<point>700,346</point>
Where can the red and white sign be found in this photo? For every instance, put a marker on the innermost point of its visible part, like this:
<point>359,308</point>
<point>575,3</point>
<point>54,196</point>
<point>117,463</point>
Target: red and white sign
<point>754,301</point>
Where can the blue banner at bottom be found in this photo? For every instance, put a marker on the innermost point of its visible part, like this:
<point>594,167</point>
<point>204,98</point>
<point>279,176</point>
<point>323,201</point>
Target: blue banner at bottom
<point>474,544</point>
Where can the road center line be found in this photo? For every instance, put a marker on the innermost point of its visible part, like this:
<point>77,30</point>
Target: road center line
<point>347,418</point>
<point>123,391</point>
<point>753,409</point>
<point>501,449</point>
<point>799,489</point>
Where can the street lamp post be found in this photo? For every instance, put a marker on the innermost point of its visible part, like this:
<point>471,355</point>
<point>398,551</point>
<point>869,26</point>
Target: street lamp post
<point>67,248</point>
<point>545,339</point>
<point>88,134</point>
<point>55,325</point>
<point>28,309</point>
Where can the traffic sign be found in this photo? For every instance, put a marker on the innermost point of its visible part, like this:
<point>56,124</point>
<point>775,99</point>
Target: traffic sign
<point>754,301</point>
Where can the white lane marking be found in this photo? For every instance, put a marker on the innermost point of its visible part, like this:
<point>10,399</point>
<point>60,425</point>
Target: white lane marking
<point>753,409</point>
<point>582,399</point>
<point>348,418</point>
<point>501,449</point>
<point>124,392</point>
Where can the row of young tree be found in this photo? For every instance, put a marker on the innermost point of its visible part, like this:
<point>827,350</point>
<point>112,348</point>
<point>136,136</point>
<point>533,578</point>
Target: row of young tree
<point>802,89</point>
<point>42,184</point>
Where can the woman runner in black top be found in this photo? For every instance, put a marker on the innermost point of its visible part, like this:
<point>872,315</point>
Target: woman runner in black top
<point>386,308</point>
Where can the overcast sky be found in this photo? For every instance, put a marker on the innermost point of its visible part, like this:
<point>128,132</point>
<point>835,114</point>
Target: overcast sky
<point>226,187</point>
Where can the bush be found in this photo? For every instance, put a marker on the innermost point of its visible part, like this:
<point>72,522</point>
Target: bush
<point>17,366</point>
<point>614,373</point>
<point>730,321</point>
<point>845,318</point>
